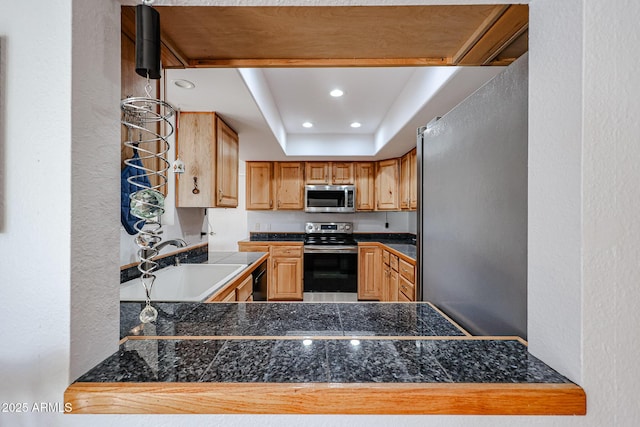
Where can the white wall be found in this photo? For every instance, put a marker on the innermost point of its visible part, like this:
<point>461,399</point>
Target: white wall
<point>596,294</point>
<point>228,226</point>
<point>293,221</point>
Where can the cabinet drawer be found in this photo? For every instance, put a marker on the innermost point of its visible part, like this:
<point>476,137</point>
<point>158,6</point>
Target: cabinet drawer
<point>253,247</point>
<point>406,289</point>
<point>245,289</point>
<point>286,251</point>
<point>385,257</point>
<point>393,262</point>
<point>403,298</point>
<point>408,271</point>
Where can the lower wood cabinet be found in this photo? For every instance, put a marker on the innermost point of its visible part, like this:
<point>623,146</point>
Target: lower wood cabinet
<point>244,291</point>
<point>369,272</point>
<point>407,280</point>
<point>240,290</point>
<point>285,268</point>
<point>286,273</point>
<point>396,275</point>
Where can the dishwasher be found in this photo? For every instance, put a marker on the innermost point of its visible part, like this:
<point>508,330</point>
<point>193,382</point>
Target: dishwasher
<point>260,282</point>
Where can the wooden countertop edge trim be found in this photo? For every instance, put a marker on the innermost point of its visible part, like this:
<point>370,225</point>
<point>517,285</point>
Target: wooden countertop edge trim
<point>235,281</point>
<point>450,320</point>
<point>323,398</point>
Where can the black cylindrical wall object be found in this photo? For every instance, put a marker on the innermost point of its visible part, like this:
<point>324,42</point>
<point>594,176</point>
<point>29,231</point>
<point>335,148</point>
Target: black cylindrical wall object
<point>147,41</point>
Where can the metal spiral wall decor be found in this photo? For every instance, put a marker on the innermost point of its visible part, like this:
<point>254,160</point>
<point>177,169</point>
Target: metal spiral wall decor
<point>144,119</point>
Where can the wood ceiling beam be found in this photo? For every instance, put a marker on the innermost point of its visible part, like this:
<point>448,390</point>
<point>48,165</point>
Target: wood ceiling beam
<point>497,12</point>
<point>511,24</point>
<point>319,62</point>
<point>168,45</point>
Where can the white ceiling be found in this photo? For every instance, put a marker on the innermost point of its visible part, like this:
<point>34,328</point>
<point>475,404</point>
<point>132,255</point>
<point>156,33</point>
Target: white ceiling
<point>268,106</point>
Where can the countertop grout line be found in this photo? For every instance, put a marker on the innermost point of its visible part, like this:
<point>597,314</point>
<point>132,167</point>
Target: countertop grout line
<point>327,337</point>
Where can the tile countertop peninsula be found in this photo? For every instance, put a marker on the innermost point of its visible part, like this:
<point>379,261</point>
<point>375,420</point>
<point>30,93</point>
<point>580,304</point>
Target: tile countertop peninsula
<point>313,358</point>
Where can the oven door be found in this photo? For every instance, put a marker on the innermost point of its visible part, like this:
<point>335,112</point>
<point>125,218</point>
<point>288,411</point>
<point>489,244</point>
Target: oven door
<point>330,272</point>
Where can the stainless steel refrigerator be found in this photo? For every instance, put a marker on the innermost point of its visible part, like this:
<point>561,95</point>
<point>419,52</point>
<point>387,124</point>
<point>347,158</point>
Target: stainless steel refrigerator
<point>472,213</point>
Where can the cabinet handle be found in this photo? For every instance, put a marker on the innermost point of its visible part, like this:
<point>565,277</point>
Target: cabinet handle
<point>278,203</point>
<point>220,194</point>
<point>270,203</point>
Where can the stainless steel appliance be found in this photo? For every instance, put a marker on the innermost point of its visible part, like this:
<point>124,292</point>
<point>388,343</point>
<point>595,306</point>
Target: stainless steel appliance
<point>472,212</point>
<point>330,198</point>
<point>330,257</point>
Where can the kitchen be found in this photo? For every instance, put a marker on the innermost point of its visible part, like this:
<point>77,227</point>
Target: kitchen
<point>243,98</point>
<point>543,41</point>
<point>300,196</point>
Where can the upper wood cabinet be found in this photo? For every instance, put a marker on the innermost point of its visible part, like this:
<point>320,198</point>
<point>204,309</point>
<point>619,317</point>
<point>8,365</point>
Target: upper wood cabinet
<point>226,165</point>
<point>289,185</point>
<point>328,173</point>
<point>209,150</point>
<point>342,173</point>
<point>405,174</point>
<point>413,180</point>
<point>317,173</point>
<point>259,185</point>
<point>365,186</point>
<point>387,197</point>
<point>409,181</point>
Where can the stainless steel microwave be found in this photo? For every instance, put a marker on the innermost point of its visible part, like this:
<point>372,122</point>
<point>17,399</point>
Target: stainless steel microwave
<point>330,198</point>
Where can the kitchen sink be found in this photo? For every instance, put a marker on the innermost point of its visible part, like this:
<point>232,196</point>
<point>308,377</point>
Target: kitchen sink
<point>187,282</point>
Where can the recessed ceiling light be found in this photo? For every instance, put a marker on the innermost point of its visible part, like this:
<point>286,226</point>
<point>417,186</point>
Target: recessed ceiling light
<point>307,125</point>
<point>184,84</point>
<point>336,93</point>
<point>356,124</point>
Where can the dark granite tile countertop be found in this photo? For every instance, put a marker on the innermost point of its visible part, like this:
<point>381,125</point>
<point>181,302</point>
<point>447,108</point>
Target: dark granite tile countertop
<point>287,319</point>
<point>405,249</point>
<point>288,355</point>
<point>324,360</point>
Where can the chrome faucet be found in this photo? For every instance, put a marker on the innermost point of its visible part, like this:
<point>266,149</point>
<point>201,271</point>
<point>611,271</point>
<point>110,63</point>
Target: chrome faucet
<point>178,243</point>
<point>146,252</point>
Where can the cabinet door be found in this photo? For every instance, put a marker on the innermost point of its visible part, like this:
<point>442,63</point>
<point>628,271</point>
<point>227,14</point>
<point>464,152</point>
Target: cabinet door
<point>226,165</point>
<point>290,185</point>
<point>413,181</point>
<point>387,185</point>
<point>393,285</point>
<point>342,173</point>
<point>317,173</point>
<point>196,148</point>
<point>405,173</point>
<point>259,185</point>
<point>286,279</point>
<point>385,295</point>
<point>365,186</point>
<point>369,273</point>
<point>244,290</point>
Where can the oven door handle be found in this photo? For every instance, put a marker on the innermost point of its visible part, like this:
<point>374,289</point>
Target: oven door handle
<point>308,250</point>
